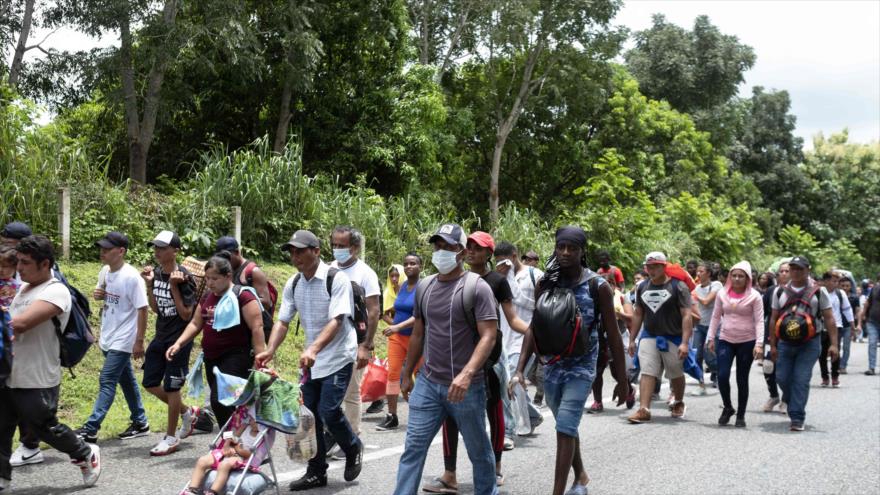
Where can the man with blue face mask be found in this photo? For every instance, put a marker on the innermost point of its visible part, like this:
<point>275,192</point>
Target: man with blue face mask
<point>455,340</point>
<point>347,243</point>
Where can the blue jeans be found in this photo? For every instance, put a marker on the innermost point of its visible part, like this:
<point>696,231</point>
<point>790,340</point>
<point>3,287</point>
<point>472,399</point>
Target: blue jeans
<point>844,338</point>
<point>323,396</point>
<point>510,422</point>
<point>794,368</point>
<point>567,392</point>
<point>873,330</point>
<point>428,408</point>
<point>117,370</point>
<point>701,332</point>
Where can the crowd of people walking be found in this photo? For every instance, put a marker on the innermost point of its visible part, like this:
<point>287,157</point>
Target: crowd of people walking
<point>462,344</point>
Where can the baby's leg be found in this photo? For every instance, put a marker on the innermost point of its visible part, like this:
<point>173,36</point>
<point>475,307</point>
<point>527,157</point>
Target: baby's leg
<point>203,464</point>
<point>223,470</point>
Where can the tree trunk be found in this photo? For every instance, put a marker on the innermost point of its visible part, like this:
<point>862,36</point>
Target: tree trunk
<point>284,114</point>
<point>140,129</point>
<point>21,47</point>
<point>494,196</point>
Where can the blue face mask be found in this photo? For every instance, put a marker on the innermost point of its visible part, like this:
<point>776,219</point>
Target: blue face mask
<point>444,261</point>
<point>342,255</point>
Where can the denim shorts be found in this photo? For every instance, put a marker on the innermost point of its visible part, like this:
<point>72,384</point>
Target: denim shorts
<point>567,391</point>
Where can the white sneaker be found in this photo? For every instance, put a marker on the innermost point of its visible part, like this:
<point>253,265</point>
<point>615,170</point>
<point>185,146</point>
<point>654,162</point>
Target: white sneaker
<point>783,408</point>
<point>91,467</point>
<point>168,445</point>
<point>509,444</point>
<point>188,422</point>
<point>24,456</point>
<point>771,403</point>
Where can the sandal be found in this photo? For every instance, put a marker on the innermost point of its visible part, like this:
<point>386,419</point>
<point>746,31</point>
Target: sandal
<point>437,485</point>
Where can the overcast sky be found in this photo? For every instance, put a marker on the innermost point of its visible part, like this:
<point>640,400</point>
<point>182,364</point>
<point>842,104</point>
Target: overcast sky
<point>826,53</point>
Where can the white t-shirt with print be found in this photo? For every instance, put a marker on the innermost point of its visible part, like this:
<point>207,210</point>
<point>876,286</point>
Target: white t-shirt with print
<point>126,294</point>
<point>37,362</point>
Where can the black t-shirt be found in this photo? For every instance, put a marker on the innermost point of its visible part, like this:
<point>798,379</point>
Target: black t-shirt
<point>661,306</point>
<point>499,285</point>
<point>169,325</point>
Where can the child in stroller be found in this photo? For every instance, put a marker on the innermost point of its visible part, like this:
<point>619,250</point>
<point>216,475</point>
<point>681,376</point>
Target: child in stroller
<point>242,445</point>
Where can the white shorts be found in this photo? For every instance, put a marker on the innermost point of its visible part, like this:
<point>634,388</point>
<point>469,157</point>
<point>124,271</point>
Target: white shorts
<point>652,360</point>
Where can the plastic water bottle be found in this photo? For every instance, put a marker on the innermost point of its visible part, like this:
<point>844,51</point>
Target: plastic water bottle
<point>521,410</point>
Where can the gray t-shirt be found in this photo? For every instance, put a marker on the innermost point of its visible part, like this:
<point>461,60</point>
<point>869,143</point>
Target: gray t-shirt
<point>820,301</point>
<point>449,340</point>
<point>706,309</point>
<point>37,362</point>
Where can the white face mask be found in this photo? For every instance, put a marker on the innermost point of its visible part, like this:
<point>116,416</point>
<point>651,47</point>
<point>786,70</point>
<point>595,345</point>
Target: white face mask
<point>444,261</point>
<point>342,255</point>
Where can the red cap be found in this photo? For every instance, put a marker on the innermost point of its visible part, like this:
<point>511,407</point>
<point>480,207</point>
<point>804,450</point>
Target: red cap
<point>483,239</point>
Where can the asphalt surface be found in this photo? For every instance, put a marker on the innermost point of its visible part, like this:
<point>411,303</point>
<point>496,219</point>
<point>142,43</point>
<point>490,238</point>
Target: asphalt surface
<point>838,453</point>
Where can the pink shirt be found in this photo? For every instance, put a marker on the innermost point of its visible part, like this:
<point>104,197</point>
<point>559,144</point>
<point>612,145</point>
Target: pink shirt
<point>743,317</point>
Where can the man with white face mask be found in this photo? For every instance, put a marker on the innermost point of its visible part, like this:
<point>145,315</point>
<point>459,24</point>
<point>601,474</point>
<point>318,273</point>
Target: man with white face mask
<point>347,243</point>
<point>457,340</point>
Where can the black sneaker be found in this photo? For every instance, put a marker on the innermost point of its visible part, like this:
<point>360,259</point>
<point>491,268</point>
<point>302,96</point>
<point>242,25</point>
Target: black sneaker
<point>85,435</point>
<point>354,462</point>
<point>726,414</point>
<point>390,423</point>
<point>376,407</point>
<point>309,481</point>
<point>135,430</point>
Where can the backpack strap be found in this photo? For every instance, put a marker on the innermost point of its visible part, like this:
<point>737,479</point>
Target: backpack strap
<point>468,298</point>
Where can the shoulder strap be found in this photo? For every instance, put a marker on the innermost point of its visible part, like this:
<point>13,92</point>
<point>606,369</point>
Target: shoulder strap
<point>468,298</point>
<point>331,272</point>
<point>421,289</point>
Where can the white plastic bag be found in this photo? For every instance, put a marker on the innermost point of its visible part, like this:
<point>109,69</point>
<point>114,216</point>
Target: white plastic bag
<point>521,410</point>
<point>303,445</point>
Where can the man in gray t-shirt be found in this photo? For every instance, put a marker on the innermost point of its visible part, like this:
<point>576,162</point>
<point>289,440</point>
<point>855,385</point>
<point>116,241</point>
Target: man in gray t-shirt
<point>795,361</point>
<point>451,382</point>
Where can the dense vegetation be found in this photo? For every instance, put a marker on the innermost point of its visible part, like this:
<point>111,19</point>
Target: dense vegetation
<point>395,116</point>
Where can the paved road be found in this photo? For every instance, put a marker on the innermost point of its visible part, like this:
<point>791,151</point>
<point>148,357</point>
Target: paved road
<point>839,453</point>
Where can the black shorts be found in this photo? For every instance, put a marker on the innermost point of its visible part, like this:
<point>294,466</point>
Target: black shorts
<point>158,370</point>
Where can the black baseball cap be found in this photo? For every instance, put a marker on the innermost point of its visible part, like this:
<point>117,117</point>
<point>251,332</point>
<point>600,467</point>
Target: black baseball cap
<point>301,239</point>
<point>16,230</point>
<point>451,233</point>
<point>227,243</point>
<point>164,239</point>
<point>800,261</point>
<point>113,240</point>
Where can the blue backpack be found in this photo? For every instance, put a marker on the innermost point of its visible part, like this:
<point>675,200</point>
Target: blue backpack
<point>76,338</point>
<point>5,345</point>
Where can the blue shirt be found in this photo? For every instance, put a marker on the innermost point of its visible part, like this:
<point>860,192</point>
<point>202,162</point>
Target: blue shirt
<point>403,307</point>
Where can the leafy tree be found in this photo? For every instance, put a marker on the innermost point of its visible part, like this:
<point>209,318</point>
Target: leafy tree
<point>692,70</point>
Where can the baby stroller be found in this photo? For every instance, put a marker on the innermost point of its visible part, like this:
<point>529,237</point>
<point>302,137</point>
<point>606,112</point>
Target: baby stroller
<point>274,403</point>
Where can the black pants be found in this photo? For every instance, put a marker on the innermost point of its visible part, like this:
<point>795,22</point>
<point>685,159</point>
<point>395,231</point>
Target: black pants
<point>771,380</point>
<point>38,408</point>
<point>236,363</point>
<point>728,353</point>
<point>823,358</point>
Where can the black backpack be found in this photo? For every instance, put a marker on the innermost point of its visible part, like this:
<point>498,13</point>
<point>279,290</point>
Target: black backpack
<point>359,318</point>
<point>796,323</point>
<point>468,302</point>
<point>76,338</point>
<point>267,316</point>
<point>557,324</point>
